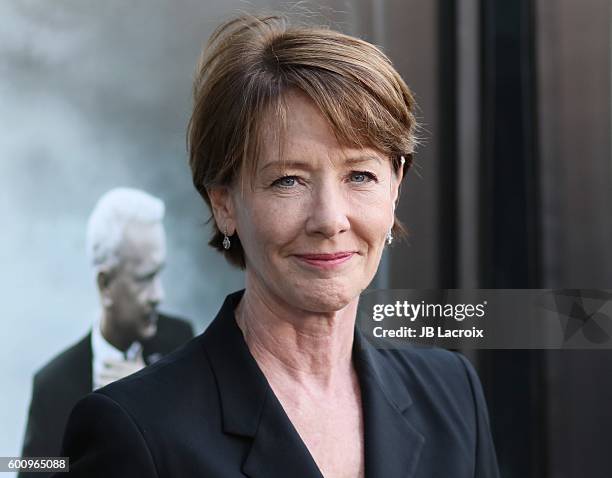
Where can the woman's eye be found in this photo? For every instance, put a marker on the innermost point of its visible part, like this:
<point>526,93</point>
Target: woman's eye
<point>285,182</point>
<point>362,177</point>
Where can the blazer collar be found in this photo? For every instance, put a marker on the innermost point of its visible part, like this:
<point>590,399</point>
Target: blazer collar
<point>249,408</point>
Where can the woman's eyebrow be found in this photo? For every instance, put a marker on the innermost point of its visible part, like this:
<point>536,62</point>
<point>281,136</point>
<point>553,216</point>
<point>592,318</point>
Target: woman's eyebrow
<point>298,164</point>
<point>363,159</point>
<point>293,164</point>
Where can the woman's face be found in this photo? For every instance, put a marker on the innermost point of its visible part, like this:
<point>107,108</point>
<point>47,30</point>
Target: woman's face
<point>313,227</point>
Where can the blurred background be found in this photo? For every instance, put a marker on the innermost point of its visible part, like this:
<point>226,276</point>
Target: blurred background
<point>512,186</point>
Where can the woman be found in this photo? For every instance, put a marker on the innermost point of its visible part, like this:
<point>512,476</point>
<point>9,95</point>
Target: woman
<point>299,140</point>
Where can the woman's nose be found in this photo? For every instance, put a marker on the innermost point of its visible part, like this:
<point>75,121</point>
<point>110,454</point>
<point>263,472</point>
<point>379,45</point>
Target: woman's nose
<point>328,214</point>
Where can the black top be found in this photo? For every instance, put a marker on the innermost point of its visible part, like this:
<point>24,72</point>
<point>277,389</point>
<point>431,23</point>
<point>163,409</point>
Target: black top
<point>67,378</point>
<point>207,410</point>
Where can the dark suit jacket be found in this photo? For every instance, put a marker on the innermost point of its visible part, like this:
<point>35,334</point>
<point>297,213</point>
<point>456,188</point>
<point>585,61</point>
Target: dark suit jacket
<point>67,378</point>
<point>208,411</point>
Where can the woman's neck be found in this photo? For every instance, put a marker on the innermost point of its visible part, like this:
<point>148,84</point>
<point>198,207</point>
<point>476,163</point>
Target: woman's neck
<point>288,344</point>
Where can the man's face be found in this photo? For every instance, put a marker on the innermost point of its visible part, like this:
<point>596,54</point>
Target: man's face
<point>134,287</point>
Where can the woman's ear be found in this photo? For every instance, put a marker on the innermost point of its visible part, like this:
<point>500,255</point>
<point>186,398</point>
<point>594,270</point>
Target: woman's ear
<point>222,205</point>
<point>396,184</point>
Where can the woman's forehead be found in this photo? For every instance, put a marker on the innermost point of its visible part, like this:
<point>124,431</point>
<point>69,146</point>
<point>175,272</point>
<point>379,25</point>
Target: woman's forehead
<point>305,138</point>
<point>295,124</point>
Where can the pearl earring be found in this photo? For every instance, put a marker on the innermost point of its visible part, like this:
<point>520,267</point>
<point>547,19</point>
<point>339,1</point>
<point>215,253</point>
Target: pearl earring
<point>226,240</point>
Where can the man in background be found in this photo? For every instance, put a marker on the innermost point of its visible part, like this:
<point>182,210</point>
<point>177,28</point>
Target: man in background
<point>126,245</point>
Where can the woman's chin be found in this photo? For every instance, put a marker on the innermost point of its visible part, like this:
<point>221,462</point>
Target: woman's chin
<point>324,299</point>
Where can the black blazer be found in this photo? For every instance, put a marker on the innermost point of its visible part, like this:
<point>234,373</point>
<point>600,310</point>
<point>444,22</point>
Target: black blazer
<point>208,411</point>
<point>67,378</point>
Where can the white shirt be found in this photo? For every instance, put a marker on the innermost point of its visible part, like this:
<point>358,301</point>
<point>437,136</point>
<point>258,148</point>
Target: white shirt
<point>102,351</point>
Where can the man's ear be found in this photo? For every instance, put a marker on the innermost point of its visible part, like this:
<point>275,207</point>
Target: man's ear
<point>222,205</point>
<point>103,279</point>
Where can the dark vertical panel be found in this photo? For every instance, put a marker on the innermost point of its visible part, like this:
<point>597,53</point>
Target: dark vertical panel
<point>574,110</point>
<point>509,226</point>
<point>574,65</point>
<point>580,425</point>
<point>510,200</point>
<point>447,135</point>
<point>468,140</point>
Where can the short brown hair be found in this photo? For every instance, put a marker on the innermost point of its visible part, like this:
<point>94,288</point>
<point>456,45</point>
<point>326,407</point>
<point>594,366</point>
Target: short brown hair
<point>248,66</point>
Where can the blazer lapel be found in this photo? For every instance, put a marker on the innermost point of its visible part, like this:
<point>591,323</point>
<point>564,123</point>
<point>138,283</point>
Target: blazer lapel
<point>277,448</point>
<point>392,446</point>
<point>249,407</point>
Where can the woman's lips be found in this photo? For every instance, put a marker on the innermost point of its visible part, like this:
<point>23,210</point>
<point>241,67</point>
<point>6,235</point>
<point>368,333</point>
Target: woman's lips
<point>325,261</point>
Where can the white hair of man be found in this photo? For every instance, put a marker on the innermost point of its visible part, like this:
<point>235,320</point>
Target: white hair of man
<point>113,212</point>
